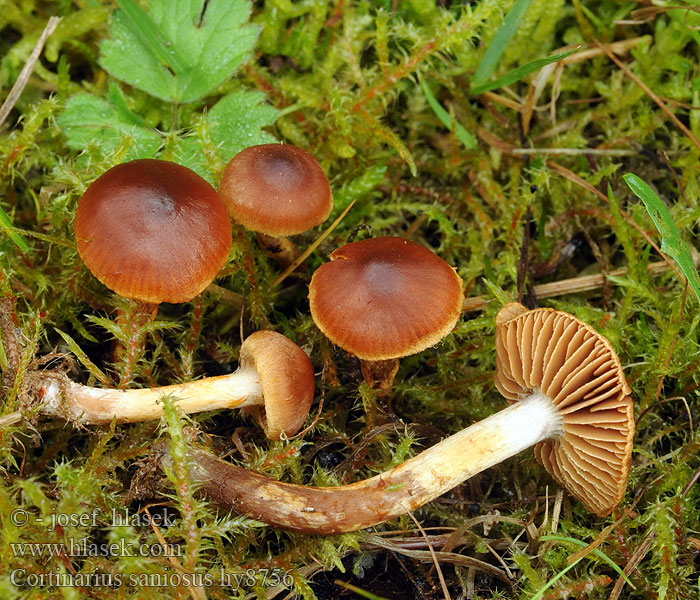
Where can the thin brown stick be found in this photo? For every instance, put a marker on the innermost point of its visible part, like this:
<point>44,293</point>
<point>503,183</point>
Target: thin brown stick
<point>26,71</point>
<point>576,556</point>
<point>617,47</point>
<point>443,584</point>
<point>575,151</point>
<point>567,286</point>
<point>197,593</point>
<point>637,557</point>
<point>375,541</point>
<point>517,106</point>
<point>691,482</point>
<point>11,419</point>
<point>306,253</point>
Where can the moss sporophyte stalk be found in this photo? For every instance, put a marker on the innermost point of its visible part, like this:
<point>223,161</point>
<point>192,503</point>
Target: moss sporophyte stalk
<point>538,150</point>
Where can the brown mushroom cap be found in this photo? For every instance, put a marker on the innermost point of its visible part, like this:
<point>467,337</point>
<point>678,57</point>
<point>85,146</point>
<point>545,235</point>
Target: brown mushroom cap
<point>276,189</point>
<point>578,370</point>
<point>385,298</point>
<point>286,377</point>
<point>152,230</point>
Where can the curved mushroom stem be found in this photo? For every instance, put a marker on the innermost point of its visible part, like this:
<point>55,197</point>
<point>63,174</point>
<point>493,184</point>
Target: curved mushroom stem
<point>281,249</point>
<point>330,510</point>
<point>88,405</point>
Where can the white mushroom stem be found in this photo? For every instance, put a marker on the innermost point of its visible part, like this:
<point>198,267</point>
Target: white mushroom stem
<point>275,378</point>
<point>328,510</point>
<point>61,397</point>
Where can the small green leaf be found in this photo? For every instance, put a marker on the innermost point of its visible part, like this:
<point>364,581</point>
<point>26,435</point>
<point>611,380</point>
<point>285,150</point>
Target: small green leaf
<point>88,120</point>
<point>182,49</point>
<point>467,139</point>
<point>519,72</point>
<point>6,225</point>
<point>671,241</point>
<point>110,326</point>
<point>499,42</point>
<point>236,122</point>
<point>152,37</point>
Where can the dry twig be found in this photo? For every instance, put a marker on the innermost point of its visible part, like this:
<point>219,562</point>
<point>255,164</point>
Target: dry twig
<point>26,71</point>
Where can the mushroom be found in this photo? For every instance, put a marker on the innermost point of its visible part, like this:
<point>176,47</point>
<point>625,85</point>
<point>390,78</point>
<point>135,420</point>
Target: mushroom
<point>152,231</point>
<point>549,354</point>
<point>276,190</point>
<point>382,299</point>
<point>569,396</point>
<point>275,379</point>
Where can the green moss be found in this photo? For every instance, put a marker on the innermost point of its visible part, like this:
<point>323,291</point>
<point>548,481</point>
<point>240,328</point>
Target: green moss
<point>342,79</point>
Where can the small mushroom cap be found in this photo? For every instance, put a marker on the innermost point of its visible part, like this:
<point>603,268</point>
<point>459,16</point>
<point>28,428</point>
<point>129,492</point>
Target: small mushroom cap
<point>276,189</point>
<point>286,377</point>
<point>578,370</point>
<point>385,298</point>
<point>152,230</point>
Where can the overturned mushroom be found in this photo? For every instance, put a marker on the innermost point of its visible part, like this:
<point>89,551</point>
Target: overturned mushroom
<point>551,354</point>
<point>275,379</point>
<point>570,398</point>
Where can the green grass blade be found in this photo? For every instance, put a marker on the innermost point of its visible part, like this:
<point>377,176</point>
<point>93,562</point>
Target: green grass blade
<point>9,228</point>
<point>671,241</point>
<point>169,54</point>
<point>499,42</point>
<point>519,73</point>
<point>96,372</point>
<point>604,557</point>
<point>467,139</point>
<point>538,595</point>
<point>359,591</point>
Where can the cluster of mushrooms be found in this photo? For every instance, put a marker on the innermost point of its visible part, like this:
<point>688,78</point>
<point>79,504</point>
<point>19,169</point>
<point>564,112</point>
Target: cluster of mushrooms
<point>568,393</point>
